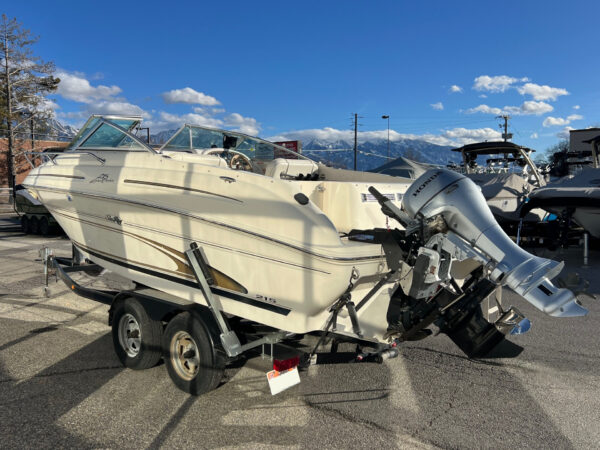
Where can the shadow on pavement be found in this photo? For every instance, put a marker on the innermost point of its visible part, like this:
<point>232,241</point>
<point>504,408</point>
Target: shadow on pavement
<point>30,408</point>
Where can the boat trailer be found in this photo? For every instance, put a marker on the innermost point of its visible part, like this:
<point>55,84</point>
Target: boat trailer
<point>228,343</point>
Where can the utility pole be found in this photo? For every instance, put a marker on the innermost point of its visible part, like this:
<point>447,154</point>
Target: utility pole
<point>505,135</point>
<point>355,138</point>
<point>388,120</point>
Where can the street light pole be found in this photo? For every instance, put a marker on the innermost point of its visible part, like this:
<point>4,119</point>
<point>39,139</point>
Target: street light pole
<point>388,120</point>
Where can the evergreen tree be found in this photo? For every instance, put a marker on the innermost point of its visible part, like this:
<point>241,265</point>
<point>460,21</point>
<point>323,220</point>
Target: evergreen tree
<point>24,79</point>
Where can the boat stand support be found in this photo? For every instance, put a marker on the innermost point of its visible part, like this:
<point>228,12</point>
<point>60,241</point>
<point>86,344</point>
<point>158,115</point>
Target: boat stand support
<point>229,339</point>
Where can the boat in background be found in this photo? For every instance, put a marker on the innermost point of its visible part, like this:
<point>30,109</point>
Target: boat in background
<point>507,177</point>
<point>404,168</point>
<point>574,197</point>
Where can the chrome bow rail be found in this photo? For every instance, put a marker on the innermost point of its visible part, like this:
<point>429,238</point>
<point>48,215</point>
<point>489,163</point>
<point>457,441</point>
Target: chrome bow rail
<point>49,154</point>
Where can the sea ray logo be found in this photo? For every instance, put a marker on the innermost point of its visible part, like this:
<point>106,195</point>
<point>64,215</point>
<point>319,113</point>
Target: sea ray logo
<point>103,178</point>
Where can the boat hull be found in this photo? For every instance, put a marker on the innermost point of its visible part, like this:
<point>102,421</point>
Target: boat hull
<point>284,272</point>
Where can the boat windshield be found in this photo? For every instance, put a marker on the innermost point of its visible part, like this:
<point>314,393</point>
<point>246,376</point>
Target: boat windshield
<point>106,136</point>
<point>191,138</point>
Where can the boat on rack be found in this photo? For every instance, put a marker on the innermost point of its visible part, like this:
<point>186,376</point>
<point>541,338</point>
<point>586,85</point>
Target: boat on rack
<point>289,243</point>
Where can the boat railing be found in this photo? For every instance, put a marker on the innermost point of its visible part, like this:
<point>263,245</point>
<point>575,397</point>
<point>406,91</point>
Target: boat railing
<point>51,156</point>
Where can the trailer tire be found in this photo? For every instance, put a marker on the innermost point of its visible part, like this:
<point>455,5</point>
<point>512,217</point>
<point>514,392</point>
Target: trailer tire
<point>193,362</point>
<point>44,226</point>
<point>136,337</point>
<point>25,224</point>
<point>34,225</point>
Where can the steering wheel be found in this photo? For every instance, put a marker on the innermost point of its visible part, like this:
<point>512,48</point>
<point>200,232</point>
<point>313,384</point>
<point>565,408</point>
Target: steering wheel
<point>239,161</point>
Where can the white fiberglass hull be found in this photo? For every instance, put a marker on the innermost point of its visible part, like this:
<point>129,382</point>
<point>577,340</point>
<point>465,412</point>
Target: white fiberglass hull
<point>280,263</point>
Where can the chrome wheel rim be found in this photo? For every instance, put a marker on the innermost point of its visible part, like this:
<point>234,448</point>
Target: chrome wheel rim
<point>130,335</point>
<point>185,357</point>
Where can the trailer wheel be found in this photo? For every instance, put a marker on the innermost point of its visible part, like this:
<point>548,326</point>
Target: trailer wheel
<point>193,363</point>
<point>34,227</point>
<point>44,226</point>
<point>136,337</point>
<point>25,224</point>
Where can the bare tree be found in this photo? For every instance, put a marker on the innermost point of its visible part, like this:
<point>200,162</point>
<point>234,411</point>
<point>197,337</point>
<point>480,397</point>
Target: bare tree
<point>24,79</point>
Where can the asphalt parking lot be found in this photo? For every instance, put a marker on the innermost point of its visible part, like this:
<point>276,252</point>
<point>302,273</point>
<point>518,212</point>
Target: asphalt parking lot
<point>61,384</point>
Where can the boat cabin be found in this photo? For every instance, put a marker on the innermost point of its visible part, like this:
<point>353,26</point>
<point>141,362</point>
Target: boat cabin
<point>343,195</point>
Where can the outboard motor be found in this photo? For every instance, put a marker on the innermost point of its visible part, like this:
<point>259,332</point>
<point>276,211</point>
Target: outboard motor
<point>472,232</point>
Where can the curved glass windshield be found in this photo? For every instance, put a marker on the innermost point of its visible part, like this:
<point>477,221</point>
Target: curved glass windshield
<point>106,136</point>
<point>191,137</point>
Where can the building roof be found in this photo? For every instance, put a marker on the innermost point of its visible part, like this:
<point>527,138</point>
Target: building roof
<point>593,140</point>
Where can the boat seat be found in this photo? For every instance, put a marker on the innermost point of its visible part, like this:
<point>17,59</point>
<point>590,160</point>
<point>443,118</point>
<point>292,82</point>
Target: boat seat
<point>291,168</point>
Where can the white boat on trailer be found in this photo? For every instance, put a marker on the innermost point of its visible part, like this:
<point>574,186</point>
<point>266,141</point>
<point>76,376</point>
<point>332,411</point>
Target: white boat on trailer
<point>225,226</point>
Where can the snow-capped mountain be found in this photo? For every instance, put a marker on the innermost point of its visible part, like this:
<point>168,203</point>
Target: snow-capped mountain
<point>372,154</point>
<point>59,131</point>
<point>160,137</point>
<point>48,129</point>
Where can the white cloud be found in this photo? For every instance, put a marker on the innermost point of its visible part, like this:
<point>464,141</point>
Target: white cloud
<point>98,99</point>
<point>452,137</point>
<point>534,136</point>
<point>554,121</point>
<point>528,108</point>
<point>485,109</point>
<point>467,136</point>
<point>74,86</point>
<point>234,121</point>
<point>438,106</point>
<point>499,83</point>
<point>539,92</point>
<point>455,88</point>
<point>169,121</point>
<point>532,108</point>
<point>246,125</point>
<point>559,121</point>
<point>116,107</point>
<point>576,107</point>
<point>482,96</point>
<point>564,133</point>
<point>189,96</point>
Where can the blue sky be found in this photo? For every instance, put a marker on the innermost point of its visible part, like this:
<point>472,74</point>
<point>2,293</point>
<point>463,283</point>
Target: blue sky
<point>441,70</point>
